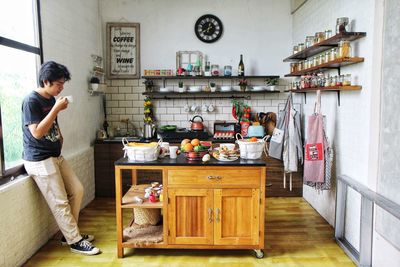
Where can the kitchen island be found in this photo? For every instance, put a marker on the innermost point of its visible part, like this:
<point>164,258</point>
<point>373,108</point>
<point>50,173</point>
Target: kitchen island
<point>212,205</point>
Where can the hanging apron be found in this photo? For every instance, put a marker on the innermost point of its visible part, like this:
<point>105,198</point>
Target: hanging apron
<point>314,149</point>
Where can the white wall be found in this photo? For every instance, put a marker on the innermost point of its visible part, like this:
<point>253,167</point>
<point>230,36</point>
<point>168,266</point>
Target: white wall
<point>70,36</point>
<point>260,30</point>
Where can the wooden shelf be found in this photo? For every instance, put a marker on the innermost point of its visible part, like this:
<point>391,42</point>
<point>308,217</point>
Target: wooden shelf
<point>324,45</point>
<point>208,77</point>
<point>329,88</point>
<point>334,64</point>
<point>138,191</point>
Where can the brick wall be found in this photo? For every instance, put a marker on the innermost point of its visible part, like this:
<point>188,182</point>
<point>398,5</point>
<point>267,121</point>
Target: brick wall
<point>26,221</point>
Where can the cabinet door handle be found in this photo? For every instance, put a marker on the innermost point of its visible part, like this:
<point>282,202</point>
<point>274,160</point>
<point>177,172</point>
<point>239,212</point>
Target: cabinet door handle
<point>210,177</point>
<point>218,215</point>
<point>210,211</point>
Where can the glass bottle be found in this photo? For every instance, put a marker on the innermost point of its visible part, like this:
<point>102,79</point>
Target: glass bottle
<point>344,49</point>
<point>241,67</point>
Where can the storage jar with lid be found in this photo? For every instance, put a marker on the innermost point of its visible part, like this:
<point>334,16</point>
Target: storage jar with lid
<point>342,25</point>
<point>328,34</point>
<point>344,49</point>
<point>347,80</point>
<point>319,37</point>
<point>295,49</point>
<point>300,46</point>
<point>215,70</point>
<point>309,41</point>
<point>332,55</point>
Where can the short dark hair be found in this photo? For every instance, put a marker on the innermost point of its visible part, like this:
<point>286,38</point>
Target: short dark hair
<point>52,71</point>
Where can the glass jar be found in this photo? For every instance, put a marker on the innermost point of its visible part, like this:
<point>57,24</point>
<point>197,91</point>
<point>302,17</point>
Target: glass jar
<point>319,37</point>
<point>327,81</point>
<point>321,59</point>
<point>295,49</point>
<point>227,70</point>
<point>301,46</point>
<point>316,61</point>
<point>342,25</point>
<point>327,56</point>
<point>309,41</point>
<point>332,54</point>
<point>328,34</point>
<point>215,70</point>
<point>293,67</point>
<point>333,81</point>
<point>344,49</point>
<point>339,80</point>
<point>347,80</point>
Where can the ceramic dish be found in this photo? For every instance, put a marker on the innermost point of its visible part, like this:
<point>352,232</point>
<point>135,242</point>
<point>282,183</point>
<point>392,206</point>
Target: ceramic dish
<point>225,155</point>
<point>166,89</point>
<point>195,89</point>
<point>259,88</point>
<point>225,88</point>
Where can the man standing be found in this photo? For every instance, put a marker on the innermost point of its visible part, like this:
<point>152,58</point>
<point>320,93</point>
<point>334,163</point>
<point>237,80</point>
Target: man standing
<point>42,155</point>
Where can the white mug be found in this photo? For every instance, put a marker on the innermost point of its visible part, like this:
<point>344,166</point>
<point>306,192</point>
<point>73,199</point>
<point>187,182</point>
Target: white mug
<point>70,98</point>
<point>193,108</point>
<point>211,108</point>
<point>172,152</point>
<point>204,108</point>
<point>186,108</point>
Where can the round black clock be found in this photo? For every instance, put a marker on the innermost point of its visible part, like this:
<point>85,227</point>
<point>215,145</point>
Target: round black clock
<point>208,28</point>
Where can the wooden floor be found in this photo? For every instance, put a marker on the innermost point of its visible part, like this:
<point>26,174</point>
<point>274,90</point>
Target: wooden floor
<point>295,236</point>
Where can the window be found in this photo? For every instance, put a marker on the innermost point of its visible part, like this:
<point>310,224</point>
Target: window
<point>20,55</point>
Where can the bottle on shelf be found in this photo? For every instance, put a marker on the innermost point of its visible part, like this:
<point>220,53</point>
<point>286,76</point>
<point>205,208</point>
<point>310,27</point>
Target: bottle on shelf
<point>241,67</point>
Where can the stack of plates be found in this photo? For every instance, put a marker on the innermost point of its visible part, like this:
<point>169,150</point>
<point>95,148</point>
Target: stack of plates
<point>195,89</point>
<point>259,88</point>
<point>166,89</point>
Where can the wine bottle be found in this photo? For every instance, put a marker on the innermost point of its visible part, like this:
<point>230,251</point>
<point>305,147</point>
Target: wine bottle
<point>241,67</point>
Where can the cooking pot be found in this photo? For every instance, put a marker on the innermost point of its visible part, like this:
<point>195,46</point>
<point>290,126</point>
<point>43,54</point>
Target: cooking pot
<point>197,125</point>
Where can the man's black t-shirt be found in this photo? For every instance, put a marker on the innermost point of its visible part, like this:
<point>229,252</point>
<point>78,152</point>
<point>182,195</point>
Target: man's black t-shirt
<point>34,109</point>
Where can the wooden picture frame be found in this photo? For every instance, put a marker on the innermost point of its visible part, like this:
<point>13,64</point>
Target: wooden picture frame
<point>123,50</point>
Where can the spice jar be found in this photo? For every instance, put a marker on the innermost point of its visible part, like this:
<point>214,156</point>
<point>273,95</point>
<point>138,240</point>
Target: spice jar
<point>327,81</point>
<point>295,49</point>
<point>321,59</point>
<point>342,25</point>
<point>344,49</point>
<point>327,56</point>
<point>319,37</point>
<point>300,46</point>
<point>332,55</point>
<point>339,80</point>
<point>309,41</point>
<point>293,67</point>
<point>347,80</point>
<point>300,66</point>
<point>215,70</point>
<point>333,81</point>
<point>328,34</point>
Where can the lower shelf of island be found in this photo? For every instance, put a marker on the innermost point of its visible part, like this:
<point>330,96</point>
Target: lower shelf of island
<point>128,200</point>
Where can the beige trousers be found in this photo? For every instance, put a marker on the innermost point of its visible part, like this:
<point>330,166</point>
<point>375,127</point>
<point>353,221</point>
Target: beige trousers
<point>62,190</point>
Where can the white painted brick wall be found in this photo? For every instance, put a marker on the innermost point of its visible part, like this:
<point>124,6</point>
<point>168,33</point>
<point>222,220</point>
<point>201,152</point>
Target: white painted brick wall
<point>26,222</point>
<point>123,102</point>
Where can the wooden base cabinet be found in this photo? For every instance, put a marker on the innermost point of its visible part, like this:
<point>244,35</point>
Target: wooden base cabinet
<point>206,207</point>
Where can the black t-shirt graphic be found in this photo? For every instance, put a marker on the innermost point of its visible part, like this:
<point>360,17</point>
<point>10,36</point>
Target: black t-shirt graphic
<point>34,109</point>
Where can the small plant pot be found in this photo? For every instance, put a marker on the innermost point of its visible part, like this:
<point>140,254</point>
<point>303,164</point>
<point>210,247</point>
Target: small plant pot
<point>213,89</point>
<point>181,89</point>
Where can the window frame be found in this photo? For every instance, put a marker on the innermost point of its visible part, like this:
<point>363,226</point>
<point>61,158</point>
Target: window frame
<point>9,174</point>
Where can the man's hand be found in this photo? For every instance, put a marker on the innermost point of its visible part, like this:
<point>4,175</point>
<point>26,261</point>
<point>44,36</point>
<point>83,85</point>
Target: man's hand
<point>61,104</point>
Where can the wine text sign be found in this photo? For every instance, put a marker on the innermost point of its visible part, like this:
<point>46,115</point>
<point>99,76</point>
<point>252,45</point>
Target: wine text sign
<point>123,50</point>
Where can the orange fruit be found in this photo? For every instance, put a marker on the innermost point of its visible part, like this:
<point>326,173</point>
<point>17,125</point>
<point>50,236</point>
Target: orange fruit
<point>188,147</point>
<point>185,141</point>
<point>253,139</point>
<point>195,142</point>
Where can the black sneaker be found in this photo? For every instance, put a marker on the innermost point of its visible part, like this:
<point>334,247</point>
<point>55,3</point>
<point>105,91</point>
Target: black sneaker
<point>84,247</point>
<point>89,238</point>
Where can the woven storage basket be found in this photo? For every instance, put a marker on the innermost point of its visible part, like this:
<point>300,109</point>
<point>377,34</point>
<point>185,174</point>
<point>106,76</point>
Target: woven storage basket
<point>146,216</point>
<point>142,152</point>
<point>251,150</point>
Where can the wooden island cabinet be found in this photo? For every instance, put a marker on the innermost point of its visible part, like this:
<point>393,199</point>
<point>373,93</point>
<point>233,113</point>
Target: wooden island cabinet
<point>213,205</point>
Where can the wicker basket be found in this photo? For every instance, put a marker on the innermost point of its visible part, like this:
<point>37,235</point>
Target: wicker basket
<point>141,152</point>
<point>251,150</point>
<point>146,216</point>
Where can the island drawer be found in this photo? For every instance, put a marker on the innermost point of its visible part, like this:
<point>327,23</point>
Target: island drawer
<point>249,178</point>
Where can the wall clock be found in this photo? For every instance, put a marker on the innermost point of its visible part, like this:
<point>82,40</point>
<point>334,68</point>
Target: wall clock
<point>208,28</point>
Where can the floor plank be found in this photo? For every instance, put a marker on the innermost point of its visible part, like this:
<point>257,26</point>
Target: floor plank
<point>295,235</point>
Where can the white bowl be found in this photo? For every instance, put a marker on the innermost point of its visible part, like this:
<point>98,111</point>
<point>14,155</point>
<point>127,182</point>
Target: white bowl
<point>225,88</point>
<point>166,89</point>
<point>229,146</point>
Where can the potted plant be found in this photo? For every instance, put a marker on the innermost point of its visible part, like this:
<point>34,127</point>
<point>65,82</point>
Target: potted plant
<point>94,83</point>
<point>213,87</point>
<point>181,87</point>
<point>243,84</point>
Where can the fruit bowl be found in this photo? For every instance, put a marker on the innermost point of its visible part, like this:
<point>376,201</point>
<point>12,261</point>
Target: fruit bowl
<point>192,155</point>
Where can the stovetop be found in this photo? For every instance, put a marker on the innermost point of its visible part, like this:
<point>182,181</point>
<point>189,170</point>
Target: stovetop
<point>181,133</point>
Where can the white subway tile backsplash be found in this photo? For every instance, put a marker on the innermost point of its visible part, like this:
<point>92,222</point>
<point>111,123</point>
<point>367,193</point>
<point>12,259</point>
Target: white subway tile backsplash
<point>117,82</point>
<point>125,90</point>
<point>126,104</point>
<point>118,97</point>
<point>134,82</point>
<point>118,111</point>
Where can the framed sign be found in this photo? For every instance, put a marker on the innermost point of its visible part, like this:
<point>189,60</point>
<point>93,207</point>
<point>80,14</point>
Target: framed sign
<point>123,50</point>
